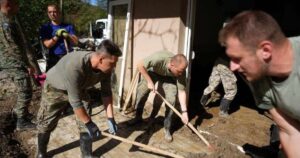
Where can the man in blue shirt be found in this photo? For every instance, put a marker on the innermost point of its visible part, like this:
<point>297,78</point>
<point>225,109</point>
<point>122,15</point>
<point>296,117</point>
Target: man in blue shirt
<point>53,35</point>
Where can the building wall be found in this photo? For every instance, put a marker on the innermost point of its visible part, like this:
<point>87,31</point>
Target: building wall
<point>158,25</point>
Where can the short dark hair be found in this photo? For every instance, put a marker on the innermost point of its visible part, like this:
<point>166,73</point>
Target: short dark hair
<point>251,28</point>
<point>109,47</point>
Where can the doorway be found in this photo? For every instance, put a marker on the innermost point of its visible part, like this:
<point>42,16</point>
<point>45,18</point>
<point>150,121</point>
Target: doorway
<point>117,21</point>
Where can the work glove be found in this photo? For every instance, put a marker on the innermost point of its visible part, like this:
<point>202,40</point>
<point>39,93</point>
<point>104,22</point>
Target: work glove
<point>62,33</point>
<point>112,126</point>
<point>93,130</point>
<point>204,99</point>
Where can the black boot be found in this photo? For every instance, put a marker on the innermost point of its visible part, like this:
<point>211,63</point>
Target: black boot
<point>137,119</point>
<point>224,107</point>
<point>86,143</point>
<point>42,142</point>
<point>24,123</point>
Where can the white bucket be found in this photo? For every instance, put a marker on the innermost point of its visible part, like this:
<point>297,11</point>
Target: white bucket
<point>42,64</point>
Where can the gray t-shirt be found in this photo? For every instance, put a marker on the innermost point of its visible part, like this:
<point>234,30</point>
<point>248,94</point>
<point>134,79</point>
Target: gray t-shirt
<point>74,74</point>
<point>284,95</point>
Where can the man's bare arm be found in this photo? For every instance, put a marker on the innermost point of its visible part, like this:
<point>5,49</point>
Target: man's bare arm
<point>289,133</point>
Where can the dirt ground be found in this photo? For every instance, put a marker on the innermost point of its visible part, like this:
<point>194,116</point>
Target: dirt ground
<point>12,142</point>
<point>244,127</point>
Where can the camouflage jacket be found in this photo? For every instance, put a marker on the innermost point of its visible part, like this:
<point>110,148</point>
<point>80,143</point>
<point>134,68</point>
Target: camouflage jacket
<point>12,44</point>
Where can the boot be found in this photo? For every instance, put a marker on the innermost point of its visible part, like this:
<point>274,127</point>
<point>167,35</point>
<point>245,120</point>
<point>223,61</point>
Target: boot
<point>86,144</point>
<point>224,107</point>
<point>137,119</point>
<point>24,123</point>
<point>42,142</point>
<point>168,136</point>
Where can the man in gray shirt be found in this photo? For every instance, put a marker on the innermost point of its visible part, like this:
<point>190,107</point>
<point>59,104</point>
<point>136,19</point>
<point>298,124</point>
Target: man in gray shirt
<point>67,82</point>
<point>270,61</point>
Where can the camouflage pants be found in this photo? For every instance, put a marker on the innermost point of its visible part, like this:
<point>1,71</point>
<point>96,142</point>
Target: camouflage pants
<point>221,73</point>
<point>22,82</point>
<point>53,103</point>
<point>170,91</point>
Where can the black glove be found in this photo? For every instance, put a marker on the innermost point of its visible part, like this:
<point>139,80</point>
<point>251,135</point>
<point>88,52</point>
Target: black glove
<point>93,130</point>
<point>204,99</point>
<point>112,126</point>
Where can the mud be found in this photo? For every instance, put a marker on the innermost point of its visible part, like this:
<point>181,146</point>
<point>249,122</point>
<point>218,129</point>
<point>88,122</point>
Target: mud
<point>243,126</point>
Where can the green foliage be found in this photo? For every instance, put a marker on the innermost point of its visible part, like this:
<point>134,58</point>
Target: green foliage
<point>33,13</point>
<point>81,14</point>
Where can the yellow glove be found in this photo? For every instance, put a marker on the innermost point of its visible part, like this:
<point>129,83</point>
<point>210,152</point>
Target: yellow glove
<point>62,32</point>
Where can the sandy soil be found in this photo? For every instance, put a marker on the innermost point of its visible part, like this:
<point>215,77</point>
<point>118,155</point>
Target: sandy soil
<point>244,126</point>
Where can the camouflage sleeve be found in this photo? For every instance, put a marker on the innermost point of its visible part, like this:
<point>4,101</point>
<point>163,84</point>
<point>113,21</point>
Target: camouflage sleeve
<point>11,53</point>
<point>30,56</point>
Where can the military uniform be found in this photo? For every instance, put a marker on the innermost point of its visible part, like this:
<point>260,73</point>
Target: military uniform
<point>14,62</point>
<point>221,74</point>
<point>156,65</point>
<point>67,82</point>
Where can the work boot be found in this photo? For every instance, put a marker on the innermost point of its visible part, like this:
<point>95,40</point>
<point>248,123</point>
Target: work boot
<point>168,136</point>
<point>224,107</point>
<point>86,143</point>
<point>137,119</point>
<point>42,142</point>
<point>223,114</point>
<point>24,123</point>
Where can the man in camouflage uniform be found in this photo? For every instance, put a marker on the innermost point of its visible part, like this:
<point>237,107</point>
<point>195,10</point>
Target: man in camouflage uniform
<point>67,82</point>
<point>221,73</point>
<point>169,69</point>
<point>14,61</point>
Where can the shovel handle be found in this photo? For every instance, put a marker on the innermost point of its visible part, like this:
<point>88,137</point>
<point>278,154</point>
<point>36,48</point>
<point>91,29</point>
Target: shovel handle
<point>147,147</point>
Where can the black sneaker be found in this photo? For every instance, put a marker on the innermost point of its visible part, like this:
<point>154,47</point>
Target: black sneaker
<point>24,124</point>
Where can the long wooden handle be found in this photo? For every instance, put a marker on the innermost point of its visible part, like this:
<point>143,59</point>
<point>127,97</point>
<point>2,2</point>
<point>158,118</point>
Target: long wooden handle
<point>189,124</point>
<point>131,88</point>
<point>66,45</point>
<point>147,147</point>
